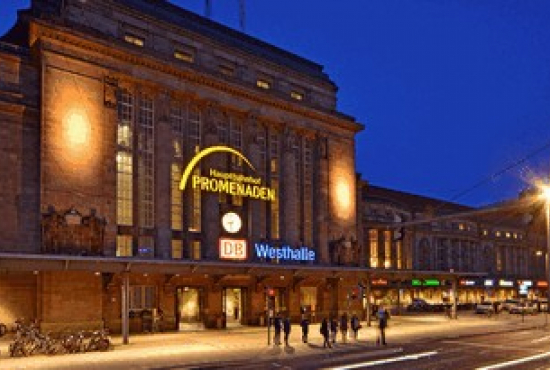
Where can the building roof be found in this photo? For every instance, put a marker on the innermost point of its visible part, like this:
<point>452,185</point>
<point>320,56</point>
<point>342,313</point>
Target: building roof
<point>182,18</point>
<point>412,202</point>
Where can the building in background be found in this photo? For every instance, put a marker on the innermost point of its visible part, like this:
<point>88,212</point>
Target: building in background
<point>503,253</point>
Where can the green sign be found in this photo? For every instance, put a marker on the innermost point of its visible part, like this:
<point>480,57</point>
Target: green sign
<point>427,282</point>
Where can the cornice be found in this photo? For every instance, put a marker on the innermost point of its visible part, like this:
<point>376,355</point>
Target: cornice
<point>40,29</point>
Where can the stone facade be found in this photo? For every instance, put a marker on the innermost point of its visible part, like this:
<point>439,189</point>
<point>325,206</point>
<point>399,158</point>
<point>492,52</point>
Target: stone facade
<point>75,75</point>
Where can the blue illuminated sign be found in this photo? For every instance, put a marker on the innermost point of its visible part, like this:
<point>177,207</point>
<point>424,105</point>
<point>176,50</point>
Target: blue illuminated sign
<point>284,252</point>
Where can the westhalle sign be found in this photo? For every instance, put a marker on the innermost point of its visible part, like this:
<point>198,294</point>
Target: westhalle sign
<point>226,182</point>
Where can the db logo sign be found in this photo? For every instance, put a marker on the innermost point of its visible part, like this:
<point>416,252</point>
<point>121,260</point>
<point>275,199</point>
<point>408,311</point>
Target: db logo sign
<point>234,249</point>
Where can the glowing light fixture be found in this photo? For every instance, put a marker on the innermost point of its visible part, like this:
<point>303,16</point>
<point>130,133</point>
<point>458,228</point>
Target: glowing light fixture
<point>77,128</point>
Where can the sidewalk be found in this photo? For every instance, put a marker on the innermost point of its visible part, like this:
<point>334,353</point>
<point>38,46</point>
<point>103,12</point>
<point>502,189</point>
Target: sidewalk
<point>247,343</point>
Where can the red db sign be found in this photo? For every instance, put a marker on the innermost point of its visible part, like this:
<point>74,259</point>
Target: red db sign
<point>234,249</point>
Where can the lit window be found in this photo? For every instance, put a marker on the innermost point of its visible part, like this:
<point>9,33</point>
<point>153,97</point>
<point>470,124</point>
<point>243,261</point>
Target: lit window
<point>196,250</point>
<point>485,232</point>
<point>177,249</point>
<point>373,244</point>
<point>461,226</point>
<point>185,56</point>
<point>124,246</point>
<point>263,84</point>
<point>296,95</point>
<point>508,235</point>
<point>131,39</point>
<point>497,234</point>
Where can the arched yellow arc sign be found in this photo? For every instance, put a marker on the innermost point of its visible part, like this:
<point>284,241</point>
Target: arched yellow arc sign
<point>203,153</point>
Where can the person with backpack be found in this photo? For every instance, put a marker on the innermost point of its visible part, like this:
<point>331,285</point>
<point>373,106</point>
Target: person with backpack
<point>305,329</point>
<point>324,333</point>
<point>383,317</point>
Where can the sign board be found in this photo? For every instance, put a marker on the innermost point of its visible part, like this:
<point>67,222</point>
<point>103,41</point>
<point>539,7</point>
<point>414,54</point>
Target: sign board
<point>505,283</point>
<point>285,252</point>
<point>233,249</point>
<point>489,282</point>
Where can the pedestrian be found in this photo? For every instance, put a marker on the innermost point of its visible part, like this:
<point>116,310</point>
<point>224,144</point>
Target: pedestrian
<point>277,326</point>
<point>305,329</point>
<point>286,329</point>
<point>333,329</point>
<point>324,333</point>
<point>344,327</point>
<point>355,326</point>
<point>383,317</point>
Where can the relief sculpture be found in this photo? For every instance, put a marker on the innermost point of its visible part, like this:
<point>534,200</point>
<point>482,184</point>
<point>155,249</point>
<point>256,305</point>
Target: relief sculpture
<point>71,233</point>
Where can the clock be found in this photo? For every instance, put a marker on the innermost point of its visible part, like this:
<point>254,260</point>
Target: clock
<point>232,222</point>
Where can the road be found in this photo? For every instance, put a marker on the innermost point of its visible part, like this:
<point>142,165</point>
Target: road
<point>525,349</point>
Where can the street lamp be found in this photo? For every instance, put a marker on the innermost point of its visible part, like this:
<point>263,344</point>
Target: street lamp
<point>545,194</point>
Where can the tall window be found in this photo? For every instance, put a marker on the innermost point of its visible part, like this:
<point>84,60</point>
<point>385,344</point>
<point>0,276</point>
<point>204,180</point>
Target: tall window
<point>146,160</point>
<point>274,173</point>
<point>177,122</point>
<point>373,247</point>
<point>399,249</point>
<point>124,159</point>
<point>308,193</point>
<point>195,142</point>
<point>236,140</point>
<point>387,249</point>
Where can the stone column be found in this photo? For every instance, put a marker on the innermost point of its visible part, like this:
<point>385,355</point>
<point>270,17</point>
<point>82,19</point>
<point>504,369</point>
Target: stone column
<point>109,169</point>
<point>163,162</point>
<point>210,208</point>
<point>321,199</point>
<point>255,207</point>
<point>289,191</point>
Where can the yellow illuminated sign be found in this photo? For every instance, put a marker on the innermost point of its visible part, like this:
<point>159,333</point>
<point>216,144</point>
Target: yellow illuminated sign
<point>226,182</point>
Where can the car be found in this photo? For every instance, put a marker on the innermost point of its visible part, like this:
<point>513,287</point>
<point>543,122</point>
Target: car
<point>485,308</point>
<point>507,304</point>
<point>522,308</point>
<point>419,305</point>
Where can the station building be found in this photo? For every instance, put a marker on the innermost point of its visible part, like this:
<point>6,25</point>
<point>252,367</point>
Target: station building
<point>145,145</point>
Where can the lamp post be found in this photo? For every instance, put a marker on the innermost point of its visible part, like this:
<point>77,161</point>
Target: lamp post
<point>546,196</point>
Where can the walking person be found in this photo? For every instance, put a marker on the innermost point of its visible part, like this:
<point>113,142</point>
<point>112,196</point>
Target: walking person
<point>305,329</point>
<point>324,333</point>
<point>344,328</point>
<point>286,329</point>
<point>355,326</point>
<point>383,317</point>
<point>277,325</point>
<point>333,329</point>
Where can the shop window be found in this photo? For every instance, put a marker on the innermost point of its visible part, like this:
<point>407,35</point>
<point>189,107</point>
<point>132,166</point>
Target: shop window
<point>142,298</point>
<point>124,246</point>
<point>308,298</point>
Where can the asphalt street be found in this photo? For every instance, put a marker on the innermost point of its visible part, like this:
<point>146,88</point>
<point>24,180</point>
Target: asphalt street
<point>417,342</point>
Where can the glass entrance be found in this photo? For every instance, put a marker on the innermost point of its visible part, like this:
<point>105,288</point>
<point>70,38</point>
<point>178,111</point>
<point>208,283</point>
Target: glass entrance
<point>233,306</point>
<point>189,307</point>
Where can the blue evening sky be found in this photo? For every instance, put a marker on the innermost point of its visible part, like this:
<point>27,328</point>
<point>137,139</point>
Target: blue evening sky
<point>451,92</point>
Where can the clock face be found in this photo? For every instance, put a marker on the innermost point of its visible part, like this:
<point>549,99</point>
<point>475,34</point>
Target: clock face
<point>231,222</point>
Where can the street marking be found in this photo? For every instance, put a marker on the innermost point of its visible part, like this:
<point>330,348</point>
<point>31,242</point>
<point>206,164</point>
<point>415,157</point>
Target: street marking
<point>485,345</point>
<point>415,356</point>
<point>541,339</point>
<point>515,362</point>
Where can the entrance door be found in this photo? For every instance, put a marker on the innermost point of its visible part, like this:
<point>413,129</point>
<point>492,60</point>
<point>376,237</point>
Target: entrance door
<point>233,305</point>
<point>189,307</point>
